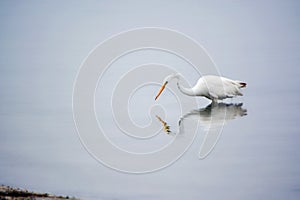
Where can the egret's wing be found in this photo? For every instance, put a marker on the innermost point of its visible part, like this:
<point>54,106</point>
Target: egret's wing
<point>212,94</point>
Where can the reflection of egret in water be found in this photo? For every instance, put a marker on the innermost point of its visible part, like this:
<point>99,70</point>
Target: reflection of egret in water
<point>216,114</point>
<point>165,125</point>
<point>211,119</point>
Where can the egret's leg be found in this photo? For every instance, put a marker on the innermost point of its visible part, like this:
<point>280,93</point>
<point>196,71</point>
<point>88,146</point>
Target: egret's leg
<point>214,102</point>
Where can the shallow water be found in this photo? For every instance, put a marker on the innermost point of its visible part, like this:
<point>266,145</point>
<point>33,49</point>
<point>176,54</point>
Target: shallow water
<point>256,156</point>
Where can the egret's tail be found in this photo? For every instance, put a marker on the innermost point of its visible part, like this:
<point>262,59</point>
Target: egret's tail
<point>242,84</point>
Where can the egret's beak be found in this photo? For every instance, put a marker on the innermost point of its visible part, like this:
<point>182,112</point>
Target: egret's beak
<point>161,89</point>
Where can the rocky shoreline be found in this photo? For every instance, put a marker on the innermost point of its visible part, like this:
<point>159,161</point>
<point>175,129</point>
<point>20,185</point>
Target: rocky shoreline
<point>10,193</point>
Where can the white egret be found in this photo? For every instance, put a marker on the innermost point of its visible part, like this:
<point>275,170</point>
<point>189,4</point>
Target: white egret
<point>212,87</point>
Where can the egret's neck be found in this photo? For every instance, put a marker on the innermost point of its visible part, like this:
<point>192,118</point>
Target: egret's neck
<point>184,90</point>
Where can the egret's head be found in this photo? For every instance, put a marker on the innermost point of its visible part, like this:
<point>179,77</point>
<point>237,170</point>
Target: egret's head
<point>165,82</point>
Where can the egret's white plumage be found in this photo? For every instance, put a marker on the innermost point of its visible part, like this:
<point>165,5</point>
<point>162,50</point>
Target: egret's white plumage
<point>212,87</point>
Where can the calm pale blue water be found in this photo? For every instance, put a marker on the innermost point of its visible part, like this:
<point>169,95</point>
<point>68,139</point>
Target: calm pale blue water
<point>257,155</point>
